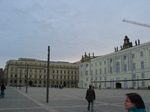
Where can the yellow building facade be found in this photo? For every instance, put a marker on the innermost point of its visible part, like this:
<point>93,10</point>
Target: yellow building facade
<point>33,72</point>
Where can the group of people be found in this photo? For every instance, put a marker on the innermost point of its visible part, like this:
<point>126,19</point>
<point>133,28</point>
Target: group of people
<point>2,85</point>
<point>133,102</point>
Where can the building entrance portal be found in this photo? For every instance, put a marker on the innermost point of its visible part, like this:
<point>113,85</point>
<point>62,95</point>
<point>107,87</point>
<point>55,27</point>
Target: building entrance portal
<point>118,85</point>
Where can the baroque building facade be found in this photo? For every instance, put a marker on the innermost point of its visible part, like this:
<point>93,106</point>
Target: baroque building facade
<point>128,67</point>
<point>33,72</point>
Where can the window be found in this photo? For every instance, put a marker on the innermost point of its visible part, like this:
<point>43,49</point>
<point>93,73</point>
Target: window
<point>133,76</point>
<point>86,65</point>
<point>11,68</point>
<point>141,53</point>
<point>110,60</point>
<point>105,70</point>
<point>134,83</point>
<point>75,72</point>
<point>111,70</point>
<point>87,79</point>
<point>100,71</point>
<point>142,65</point>
<point>134,66</point>
<point>133,55</point>
<point>85,84</point>
<point>99,63</point>
<point>143,75</point>
<point>117,67</point>
<point>96,79</point>
<point>86,72</point>
<point>125,57</point>
<point>143,84</point>
<point>100,78</point>
<point>105,62</point>
<point>91,72</point>
<point>95,72</point>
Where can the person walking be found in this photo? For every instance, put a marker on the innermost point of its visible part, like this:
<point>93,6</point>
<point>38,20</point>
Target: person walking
<point>90,97</point>
<point>134,103</point>
<point>2,90</point>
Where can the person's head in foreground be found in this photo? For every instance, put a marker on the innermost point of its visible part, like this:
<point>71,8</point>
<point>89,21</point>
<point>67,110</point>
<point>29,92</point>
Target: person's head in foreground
<point>134,101</point>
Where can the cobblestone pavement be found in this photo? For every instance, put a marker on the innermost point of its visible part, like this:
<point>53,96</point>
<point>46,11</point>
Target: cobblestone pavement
<point>65,100</point>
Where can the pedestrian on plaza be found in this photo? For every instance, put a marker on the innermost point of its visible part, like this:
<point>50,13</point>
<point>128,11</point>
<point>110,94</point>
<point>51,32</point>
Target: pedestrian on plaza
<point>90,97</point>
<point>99,86</point>
<point>2,90</point>
<point>134,103</point>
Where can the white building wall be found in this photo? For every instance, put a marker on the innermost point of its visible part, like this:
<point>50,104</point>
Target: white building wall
<point>127,64</point>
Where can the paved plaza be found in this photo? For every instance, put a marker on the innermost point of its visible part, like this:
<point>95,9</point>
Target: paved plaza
<point>65,100</point>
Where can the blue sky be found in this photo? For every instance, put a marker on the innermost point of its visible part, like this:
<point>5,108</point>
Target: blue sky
<point>69,27</point>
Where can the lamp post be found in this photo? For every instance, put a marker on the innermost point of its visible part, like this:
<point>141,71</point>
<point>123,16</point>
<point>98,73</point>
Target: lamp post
<point>47,93</point>
<point>27,80</point>
<point>20,79</point>
<point>16,81</point>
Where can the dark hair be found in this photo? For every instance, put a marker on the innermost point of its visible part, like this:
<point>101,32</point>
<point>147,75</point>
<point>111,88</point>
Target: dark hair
<point>136,99</point>
<point>90,86</point>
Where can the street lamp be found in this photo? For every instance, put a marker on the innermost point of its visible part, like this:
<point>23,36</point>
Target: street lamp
<point>47,93</point>
<point>27,80</point>
<point>20,79</point>
<point>16,80</point>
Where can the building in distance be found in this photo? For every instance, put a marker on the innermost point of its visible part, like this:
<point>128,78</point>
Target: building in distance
<point>34,73</point>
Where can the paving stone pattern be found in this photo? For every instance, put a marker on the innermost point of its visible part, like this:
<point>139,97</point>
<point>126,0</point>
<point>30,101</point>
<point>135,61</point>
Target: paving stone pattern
<point>65,100</point>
